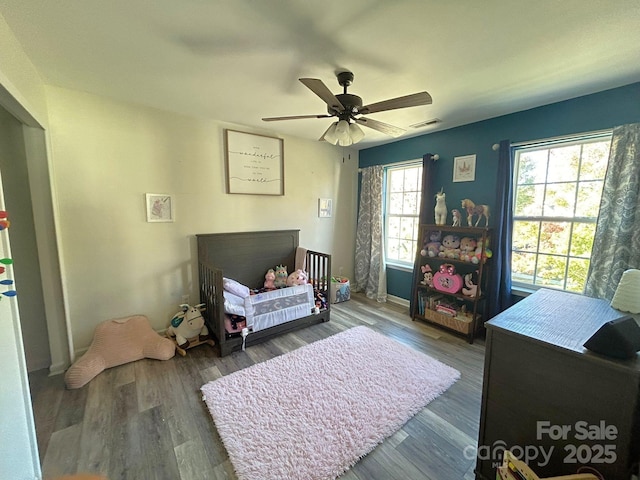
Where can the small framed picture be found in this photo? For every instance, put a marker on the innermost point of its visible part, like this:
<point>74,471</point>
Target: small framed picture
<point>325,207</point>
<point>464,168</point>
<point>160,207</point>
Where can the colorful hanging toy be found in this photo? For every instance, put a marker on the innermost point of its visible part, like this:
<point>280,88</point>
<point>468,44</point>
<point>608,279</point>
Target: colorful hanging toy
<point>4,224</point>
<point>4,221</point>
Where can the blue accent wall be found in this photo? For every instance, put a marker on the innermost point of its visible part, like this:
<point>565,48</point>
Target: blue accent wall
<point>593,112</point>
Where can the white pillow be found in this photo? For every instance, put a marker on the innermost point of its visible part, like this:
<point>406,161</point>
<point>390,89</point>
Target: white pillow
<point>233,299</point>
<point>233,309</point>
<point>235,287</point>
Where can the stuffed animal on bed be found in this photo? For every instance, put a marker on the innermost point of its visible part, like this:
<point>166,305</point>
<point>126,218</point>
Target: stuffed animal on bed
<point>299,277</point>
<point>188,324</point>
<point>281,276</point>
<point>269,279</point>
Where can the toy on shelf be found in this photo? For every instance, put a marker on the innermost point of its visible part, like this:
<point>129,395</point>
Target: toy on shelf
<point>428,275</point>
<point>471,287</point>
<point>187,328</point>
<point>472,209</point>
<point>432,247</point>
<point>450,247</point>
<point>447,280</point>
<point>441,208</point>
<point>467,248</point>
<point>456,217</point>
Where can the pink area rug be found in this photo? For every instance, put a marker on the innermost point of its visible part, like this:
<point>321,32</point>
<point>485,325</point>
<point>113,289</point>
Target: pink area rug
<point>314,412</point>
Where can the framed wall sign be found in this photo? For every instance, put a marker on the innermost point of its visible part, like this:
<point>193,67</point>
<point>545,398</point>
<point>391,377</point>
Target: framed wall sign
<point>160,207</point>
<point>325,207</point>
<point>254,163</point>
<point>464,168</point>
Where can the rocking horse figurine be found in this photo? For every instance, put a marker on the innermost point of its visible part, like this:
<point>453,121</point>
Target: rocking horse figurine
<point>473,209</point>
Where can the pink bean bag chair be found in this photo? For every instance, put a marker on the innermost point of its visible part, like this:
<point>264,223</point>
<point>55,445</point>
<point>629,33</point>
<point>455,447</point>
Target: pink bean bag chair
<point>116,342</point>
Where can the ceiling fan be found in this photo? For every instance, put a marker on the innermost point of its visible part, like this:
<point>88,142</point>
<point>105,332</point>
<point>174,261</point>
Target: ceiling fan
<point>348,107</point>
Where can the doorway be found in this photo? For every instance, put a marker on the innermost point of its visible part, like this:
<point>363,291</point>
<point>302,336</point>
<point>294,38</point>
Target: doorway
<point>29,204</point>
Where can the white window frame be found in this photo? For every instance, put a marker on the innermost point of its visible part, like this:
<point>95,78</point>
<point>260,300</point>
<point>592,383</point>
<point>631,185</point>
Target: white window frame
<point>542,145</point>
<point>399,264</point>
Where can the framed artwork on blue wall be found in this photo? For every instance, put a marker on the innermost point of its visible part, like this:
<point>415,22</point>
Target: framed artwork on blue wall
<point>464,168</point>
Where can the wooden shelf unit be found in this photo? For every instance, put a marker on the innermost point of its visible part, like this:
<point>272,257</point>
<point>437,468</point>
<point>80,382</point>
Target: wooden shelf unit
<point>465,322</point>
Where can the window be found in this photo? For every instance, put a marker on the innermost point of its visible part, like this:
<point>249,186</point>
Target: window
<point>402,208</point>
<point>558,187</point>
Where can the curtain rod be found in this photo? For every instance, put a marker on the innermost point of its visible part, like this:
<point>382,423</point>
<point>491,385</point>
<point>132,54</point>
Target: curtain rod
<point>405,162</point>
<point>595,133</point>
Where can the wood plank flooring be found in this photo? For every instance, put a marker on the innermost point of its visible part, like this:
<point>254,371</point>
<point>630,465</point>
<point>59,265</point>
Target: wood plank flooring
<point>146,420</point>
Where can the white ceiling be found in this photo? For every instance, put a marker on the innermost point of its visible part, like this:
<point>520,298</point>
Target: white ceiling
<point>239,60</point>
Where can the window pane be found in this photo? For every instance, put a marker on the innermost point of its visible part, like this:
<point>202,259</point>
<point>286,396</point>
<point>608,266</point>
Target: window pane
<point>406,228</point>
<point>554,238</point>
<point>392,248</point>
<point>410,203</point>
<point>405,251</point>
<point>396,180</point>
<point>393,227</point>
<point>589,194</point>
<point>559,200</point>
<point>529,200</point>
<point>560,182</point>
<point>395,203</point>
<point>577,274</point>
<point>403,185</point>
<point>523,267</point>
<point>563,164</point>
<point>550,271</point>
<point>582,239</point>
<point>412,179</point>
<point>595,157</point>
<point>525,236</point>
<point>532,167</point>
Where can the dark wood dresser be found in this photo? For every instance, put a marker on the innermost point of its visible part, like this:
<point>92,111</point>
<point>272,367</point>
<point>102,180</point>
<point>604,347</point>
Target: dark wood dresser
<point>544,392</point>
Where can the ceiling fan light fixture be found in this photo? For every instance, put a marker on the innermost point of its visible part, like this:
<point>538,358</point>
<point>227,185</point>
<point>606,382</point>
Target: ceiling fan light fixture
<point>342,130</point>
<point>356,133</point>
<point>331,136</point>
<point>346,105</point>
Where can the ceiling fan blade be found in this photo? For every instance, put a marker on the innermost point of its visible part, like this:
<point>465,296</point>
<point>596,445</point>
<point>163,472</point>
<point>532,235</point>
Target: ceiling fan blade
<point>294,117</point>
<point>413,100</point>
<point>381,127</point>
<point>321,90</point>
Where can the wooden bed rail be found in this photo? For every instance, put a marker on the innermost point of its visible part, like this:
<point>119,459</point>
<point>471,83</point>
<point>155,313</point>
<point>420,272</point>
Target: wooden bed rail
<point>318,267</point>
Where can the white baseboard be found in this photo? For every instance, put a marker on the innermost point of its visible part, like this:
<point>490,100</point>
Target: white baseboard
<point>57,368</point>
<point>398,300</point>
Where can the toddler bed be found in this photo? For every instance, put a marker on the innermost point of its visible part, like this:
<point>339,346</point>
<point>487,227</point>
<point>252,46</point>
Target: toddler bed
<point>240,260</point>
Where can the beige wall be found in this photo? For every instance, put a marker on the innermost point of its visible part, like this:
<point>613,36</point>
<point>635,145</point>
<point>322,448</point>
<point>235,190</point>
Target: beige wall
<point>19,77</point>
<point>106,155</point>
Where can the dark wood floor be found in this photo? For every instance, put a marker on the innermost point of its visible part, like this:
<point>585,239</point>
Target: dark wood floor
<point>146,420</point>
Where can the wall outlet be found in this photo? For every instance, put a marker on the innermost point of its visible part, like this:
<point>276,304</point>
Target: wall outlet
<point>185,299</point>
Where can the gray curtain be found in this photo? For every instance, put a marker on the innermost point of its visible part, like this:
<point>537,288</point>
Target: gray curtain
<point>370,274</point>
<point>616,246</point>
